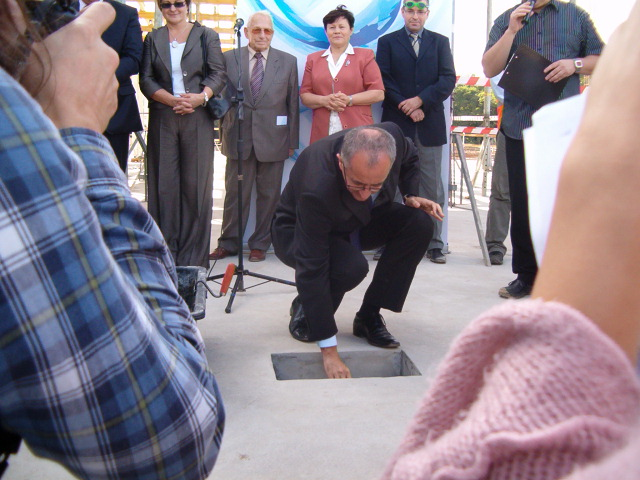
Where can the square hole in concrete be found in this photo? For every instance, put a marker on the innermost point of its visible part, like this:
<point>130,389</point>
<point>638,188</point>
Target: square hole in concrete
<point>308,366</point>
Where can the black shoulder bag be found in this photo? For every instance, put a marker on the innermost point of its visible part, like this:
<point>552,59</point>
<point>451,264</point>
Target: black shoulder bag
<point>218,106</point>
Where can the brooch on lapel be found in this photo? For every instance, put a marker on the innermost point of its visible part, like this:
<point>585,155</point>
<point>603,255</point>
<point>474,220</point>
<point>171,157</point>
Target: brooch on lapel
<point>347,63</point>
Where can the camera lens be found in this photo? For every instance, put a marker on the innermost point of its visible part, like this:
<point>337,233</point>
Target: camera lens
<point>50,15</point>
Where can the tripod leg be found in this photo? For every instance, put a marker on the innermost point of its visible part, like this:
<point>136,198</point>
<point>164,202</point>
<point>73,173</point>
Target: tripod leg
<point>268,278</point>
<point>237,287</point>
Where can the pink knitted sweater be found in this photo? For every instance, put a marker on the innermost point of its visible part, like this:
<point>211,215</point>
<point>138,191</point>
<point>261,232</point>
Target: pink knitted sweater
<point>530,390</point>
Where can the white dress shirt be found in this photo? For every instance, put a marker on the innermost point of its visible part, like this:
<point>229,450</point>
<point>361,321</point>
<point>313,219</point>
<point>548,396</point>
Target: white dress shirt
<point>335,125</point>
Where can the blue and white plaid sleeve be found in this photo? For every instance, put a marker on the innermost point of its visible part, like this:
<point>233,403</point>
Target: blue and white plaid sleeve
<point>101,366</point>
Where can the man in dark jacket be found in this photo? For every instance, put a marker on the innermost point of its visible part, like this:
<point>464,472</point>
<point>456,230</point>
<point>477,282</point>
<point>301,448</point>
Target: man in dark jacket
<point>338,202</point>
<point>418,74</point>
<point>124,35</point>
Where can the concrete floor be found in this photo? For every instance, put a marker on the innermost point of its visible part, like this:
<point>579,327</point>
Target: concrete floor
<point>324,429</point>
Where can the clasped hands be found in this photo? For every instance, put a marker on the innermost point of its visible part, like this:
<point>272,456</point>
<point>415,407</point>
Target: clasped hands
<point>411,108</point>
<point>187,103</point>
<point>336,102</point>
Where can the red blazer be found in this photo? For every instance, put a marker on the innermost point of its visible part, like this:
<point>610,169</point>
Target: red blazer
<point>359,73</point>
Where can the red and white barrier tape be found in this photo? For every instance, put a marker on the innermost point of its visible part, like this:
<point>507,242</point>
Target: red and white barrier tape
<point>483,81</point>
<point>473,80</point>
<point>475,130</point>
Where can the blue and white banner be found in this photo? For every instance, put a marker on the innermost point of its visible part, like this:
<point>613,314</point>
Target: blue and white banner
<point>299,31</point>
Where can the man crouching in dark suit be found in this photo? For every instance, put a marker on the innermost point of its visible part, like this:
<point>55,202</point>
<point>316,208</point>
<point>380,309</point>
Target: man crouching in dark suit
<point>338,202</point>
<point>124,35</point>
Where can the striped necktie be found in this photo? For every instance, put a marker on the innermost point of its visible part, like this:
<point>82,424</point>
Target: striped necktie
<point>415,43</point>
<point>257,75</point>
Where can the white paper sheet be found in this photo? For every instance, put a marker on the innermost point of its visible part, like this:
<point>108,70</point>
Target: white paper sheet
<point>546,144</point>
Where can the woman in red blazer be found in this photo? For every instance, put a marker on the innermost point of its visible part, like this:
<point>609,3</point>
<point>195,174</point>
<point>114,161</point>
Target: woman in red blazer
<point>341,83</point>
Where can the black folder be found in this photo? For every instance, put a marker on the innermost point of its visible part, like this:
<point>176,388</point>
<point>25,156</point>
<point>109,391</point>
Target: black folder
<point>524,78</point>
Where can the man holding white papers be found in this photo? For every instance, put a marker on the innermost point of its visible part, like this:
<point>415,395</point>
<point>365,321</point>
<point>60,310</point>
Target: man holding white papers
<point>565,35</point>
<point>270,134</point>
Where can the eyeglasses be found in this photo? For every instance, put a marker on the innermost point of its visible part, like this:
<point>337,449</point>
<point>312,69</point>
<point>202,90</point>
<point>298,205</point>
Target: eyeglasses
<point>362,188</point>
<point>358,188</point>
<point>168,5</point>
<point>258,31</point>
<point>418,5</point>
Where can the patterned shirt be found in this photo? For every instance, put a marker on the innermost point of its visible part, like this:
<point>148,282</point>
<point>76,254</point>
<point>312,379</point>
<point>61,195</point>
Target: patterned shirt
<point>102,367</point>
<point>560,30</point>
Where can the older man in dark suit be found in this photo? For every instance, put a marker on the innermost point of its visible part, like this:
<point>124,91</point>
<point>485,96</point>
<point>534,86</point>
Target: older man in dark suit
<point>124,35</point>
<point>418,75</point>
<point>338,202</point>
<point>270,135</point>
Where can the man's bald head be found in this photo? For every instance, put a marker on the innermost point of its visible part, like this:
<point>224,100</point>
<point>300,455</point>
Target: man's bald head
<point>374,142</point>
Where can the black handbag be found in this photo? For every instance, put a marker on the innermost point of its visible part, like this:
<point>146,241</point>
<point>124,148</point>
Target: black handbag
<point>217,106</point>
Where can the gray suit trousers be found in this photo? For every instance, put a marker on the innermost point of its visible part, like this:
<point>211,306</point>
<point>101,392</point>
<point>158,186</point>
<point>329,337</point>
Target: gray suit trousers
<point>180,181</point>
<point>431,186</point>
<point>268,180</point>
<point>499,202</point>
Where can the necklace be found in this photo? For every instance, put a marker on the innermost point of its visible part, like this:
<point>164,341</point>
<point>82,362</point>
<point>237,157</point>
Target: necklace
<point>174,43</point>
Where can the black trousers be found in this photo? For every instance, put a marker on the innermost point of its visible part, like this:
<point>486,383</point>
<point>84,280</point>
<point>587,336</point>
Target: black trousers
<point>405,232</point>
<point>524,259</point>
<point>120,144</point>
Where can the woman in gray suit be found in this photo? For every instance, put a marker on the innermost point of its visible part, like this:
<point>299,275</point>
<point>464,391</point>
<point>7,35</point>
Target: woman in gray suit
<point>180,140</point>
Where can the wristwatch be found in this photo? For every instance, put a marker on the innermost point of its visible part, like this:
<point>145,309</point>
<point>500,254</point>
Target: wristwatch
<point>577,62</point>
<point>206,98</point>
<point>350,101</point>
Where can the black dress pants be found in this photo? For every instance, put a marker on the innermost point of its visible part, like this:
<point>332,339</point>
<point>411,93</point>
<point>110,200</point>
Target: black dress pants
<point>120,144</point>
<point>405,232</point>
<point>524,263</point>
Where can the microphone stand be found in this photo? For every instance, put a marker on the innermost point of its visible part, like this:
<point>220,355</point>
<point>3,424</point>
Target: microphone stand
<point>240,272</point>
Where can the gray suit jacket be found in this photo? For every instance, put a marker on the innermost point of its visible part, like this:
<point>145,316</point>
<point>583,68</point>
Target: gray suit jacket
<point>155,72</point>
<point>278,97</point>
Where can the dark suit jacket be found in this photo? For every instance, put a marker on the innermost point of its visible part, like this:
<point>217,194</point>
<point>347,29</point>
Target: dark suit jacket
<point>431,76</point>
<point>124,35</point>
<point>155,73</point>
<point>316,205</point>
<point>278,97</point>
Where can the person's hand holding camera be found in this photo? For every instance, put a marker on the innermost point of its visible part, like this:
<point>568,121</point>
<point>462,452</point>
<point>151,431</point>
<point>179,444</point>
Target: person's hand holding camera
<point>77,71</point>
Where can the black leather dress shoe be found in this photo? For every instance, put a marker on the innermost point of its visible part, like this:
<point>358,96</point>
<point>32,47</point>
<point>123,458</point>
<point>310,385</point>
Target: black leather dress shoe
<point>516,289</point>
<point>298,326</point>
<point>375,331</point>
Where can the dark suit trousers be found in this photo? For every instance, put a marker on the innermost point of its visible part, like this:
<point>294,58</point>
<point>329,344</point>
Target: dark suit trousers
<point>180,181</point>
<point>268,180</point>
<point>120,144</point>
<point>524,260</point>
<point>404,231</point>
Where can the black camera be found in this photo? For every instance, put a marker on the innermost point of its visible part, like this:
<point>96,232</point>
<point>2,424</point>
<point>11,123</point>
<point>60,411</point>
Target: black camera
<point>50,15</point>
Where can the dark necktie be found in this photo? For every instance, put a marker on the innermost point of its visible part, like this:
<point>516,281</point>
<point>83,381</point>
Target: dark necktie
<point>354,237</point>
<point>257,75</point>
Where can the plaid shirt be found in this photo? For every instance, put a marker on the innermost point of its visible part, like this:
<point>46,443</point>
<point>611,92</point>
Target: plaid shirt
<point>102,367</point>
<point>560,30</point>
